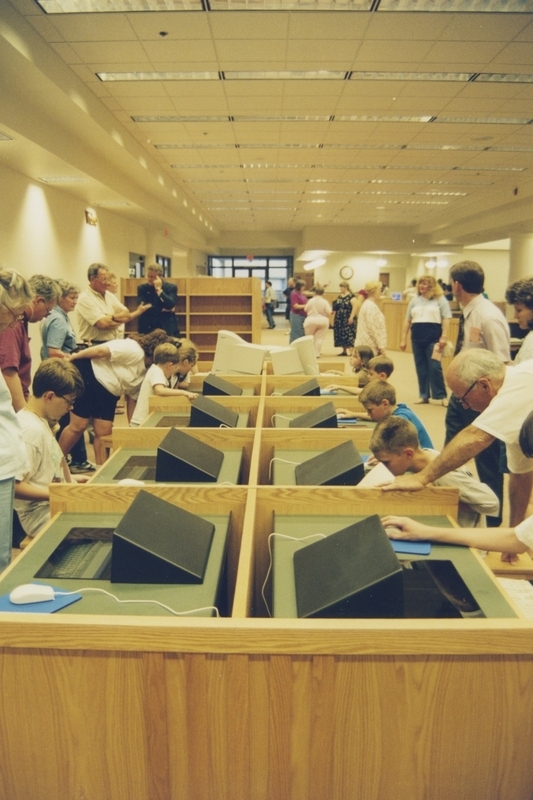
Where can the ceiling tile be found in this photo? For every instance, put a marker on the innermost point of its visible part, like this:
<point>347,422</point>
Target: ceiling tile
<point>94,27</point>
<point>109,52</point>
<point>182,25</point>
<point>179,50</point>
<point>245,26</point>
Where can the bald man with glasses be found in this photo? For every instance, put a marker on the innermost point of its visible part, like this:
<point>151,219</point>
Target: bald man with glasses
<point>502,395</point>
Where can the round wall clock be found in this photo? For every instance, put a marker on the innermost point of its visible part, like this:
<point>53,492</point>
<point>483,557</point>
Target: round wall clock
<point>346,273</point>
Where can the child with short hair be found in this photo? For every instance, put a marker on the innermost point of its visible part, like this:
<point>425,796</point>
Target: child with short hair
<point>167,377</point>
<point>379,399</point>
<point>395,444</point>
<point>360,360</point>
<point>380,367</point>
<point>56,385</point>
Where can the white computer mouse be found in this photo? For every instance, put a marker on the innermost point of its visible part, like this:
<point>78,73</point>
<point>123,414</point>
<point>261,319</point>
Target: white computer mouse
<point>31,593</point>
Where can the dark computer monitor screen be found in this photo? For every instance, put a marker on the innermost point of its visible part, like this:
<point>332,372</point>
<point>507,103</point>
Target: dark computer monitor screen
<point>173,421</point>
<point>83,554</point>
<point>139,468</point>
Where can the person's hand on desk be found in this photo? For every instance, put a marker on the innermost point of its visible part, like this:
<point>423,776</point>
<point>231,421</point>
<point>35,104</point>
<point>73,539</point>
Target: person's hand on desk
<point>346,413</point>
<point>405,483</point>
<point>405,528</point>
<point>332,388</point>
<point>509,558</point>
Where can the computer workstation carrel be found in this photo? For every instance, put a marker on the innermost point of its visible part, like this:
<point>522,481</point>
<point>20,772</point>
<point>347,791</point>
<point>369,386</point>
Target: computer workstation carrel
<point>257,701</point>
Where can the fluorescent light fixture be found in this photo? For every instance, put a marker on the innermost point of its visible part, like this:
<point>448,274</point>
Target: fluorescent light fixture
<point>318,262</point>
<point>61,179</point>
<point>427,6</point>
<point>112,204</point>
<point>97,6</point>
<point>158,76</point>
<point>411,76</point>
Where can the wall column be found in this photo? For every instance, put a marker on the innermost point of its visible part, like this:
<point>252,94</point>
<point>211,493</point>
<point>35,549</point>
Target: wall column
<point>520,257</point>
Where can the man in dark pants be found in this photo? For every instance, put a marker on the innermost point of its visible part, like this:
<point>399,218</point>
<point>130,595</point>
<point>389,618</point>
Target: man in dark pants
<point>162,296</point>
<point>482,326</point>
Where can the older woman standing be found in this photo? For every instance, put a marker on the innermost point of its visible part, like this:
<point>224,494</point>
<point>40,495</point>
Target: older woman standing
<point>346,307</point>
<point>316,323</point>
<point>15,296</point>
<point>520,295</point>
<point>371,329</point>
<point>428,318</point>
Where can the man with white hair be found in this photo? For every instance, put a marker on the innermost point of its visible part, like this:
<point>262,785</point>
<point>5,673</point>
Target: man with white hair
<point>503,396</point>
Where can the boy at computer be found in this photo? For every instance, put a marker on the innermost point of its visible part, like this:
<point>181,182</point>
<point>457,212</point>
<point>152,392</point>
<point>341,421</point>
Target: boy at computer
<point>379,400</point>
<point>378,368</point>
<point>168,376</point>
<point>395,444</point>
<point>56,385</point>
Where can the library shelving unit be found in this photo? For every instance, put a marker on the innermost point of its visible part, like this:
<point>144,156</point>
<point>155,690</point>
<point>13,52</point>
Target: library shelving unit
<point>206,305</point>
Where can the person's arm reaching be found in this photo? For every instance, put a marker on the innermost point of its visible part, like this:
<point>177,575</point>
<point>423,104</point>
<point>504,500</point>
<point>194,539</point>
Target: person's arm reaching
<point>502,539</point>
<point>467,444</point>
<point>96,351</point>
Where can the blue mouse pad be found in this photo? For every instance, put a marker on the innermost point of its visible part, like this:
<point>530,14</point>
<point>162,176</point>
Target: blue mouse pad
<point>414,548</point>
<point>46,607</point>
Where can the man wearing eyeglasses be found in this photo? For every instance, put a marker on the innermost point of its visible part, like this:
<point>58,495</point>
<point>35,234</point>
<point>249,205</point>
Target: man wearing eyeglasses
<point>15,356</point>
<point>482,327</point>
<point>502,396</point>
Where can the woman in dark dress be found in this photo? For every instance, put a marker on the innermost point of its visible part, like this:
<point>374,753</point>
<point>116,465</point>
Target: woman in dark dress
<point>346,307</point>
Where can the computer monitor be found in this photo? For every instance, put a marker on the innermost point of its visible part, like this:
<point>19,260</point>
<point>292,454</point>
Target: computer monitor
<point>158,542</point>
<point>286,361</point>
<point>305,346</point>
<point>307,389</point>
<point>351,573</point>
<point>323,416</point>
<point>215,385</point>
<point>206,413</point>
<point>181,457</point>
<point>340,466</point>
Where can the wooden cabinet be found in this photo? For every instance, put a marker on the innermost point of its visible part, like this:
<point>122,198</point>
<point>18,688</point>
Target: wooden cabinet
<point>206,305</point>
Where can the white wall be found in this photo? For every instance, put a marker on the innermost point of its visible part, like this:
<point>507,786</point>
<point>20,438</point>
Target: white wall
<point>365,269</point>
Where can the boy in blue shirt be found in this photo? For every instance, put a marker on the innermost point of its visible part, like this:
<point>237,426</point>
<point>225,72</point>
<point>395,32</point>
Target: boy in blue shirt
<point>379,400</point>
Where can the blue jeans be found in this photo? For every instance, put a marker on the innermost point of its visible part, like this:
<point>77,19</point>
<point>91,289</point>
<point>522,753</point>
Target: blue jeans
<point>297,327</point>
<point>428,371</point>
<point>7,488</point>
<point>269,312</point>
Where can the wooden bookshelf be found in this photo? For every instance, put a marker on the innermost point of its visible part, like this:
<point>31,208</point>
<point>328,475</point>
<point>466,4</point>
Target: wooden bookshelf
<point>207,305</point>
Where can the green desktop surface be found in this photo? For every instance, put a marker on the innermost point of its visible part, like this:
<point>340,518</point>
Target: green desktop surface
<point>117,467</point>
<point>284,464</point>
<point>492,603</point>
<point>169,419</point>
<point>282,419</point>
<point>180,597</point>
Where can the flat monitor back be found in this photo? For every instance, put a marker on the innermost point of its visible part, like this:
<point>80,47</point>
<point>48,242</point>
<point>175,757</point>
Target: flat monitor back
<point>340,466</point>
<point>215,385</point>
<point>308,389</point>
<point>323,416</point>
<point>206,413</point>
<point>158,542</point>
<point>183,458</point>
<point>351,573</point>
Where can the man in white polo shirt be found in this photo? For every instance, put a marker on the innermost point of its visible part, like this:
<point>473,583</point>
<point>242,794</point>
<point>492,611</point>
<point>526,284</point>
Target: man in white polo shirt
<point>99,314</point>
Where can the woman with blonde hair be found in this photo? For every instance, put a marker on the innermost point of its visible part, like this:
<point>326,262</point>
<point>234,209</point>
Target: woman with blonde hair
<point>428,319</point>
<point>371,330</point>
